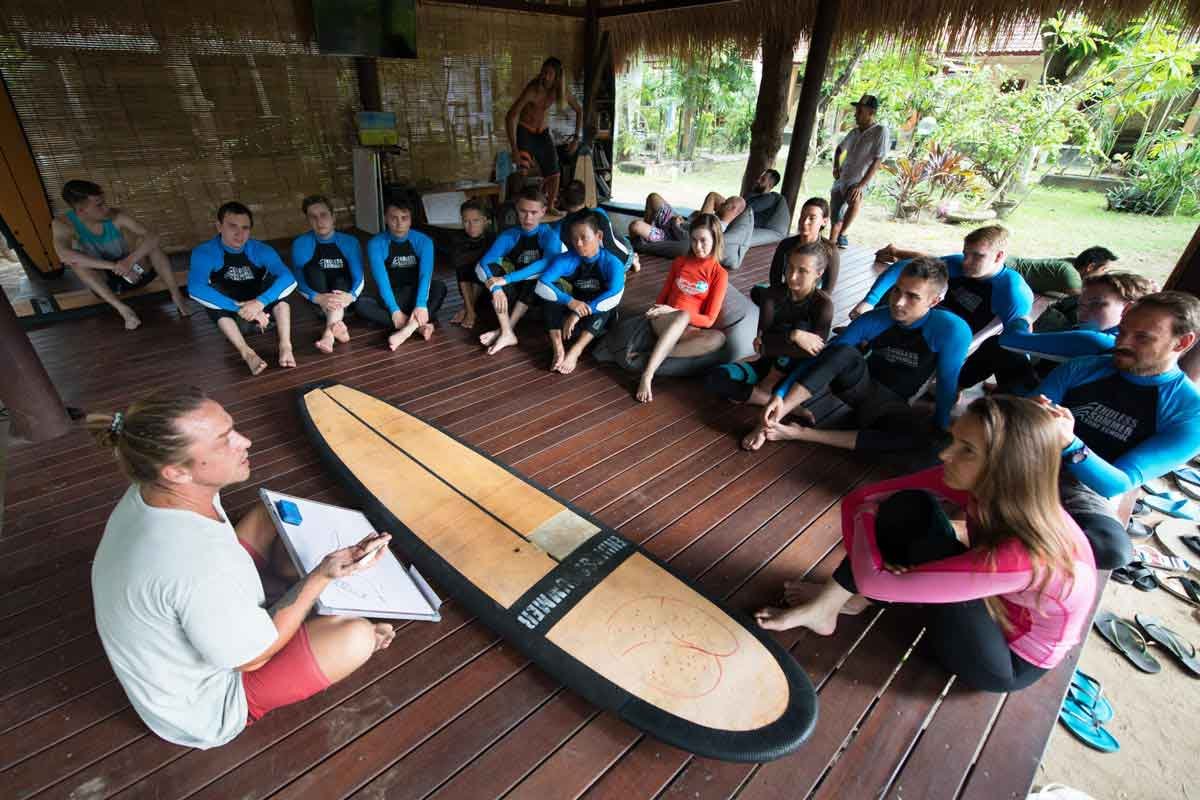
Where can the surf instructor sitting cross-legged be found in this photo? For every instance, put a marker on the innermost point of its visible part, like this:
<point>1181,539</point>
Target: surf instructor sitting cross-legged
<point>178,598</point>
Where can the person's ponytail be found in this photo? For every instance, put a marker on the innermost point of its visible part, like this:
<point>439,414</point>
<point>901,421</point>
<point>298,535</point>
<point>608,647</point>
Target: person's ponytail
<point>145,437</point>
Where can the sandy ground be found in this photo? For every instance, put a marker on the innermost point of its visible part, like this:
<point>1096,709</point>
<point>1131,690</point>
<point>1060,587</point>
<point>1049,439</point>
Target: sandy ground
<point>1156,716</point>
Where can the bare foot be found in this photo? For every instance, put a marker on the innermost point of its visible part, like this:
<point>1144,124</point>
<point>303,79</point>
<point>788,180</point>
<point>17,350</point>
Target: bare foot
<point>426,330</point>
<point>132,323</point>
<point>256,364</point>
<point>804,416</point>
<point>469,322</point>
<point>180,305</point>
<point>783,433</point>
<point>801,592</point>
<point>636,264</point>
<point>286,359</point>
<point>500,342</point>
<point>556,360</point>
<point>401,336</point>
<point>643,393</point>
<point>782,619</point>
<point>458,317</point>
<point>325,343</point>
<point>759,396</point>
<point>383,636</point>
<point>340,332</point>
<point>754,439</point>
<point>486,339</point>
<point>568,364</point>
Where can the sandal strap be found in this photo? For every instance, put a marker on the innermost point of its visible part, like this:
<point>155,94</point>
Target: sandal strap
<point>1125,624</point>
<point>1175,642</point>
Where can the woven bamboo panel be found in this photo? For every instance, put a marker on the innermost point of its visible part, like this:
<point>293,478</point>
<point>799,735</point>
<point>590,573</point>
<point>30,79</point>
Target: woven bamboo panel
<point>175,108</point>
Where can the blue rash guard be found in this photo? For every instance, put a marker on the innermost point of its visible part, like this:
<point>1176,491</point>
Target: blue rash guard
<point>598,281</point>
<point>341,251</point>
<point>1059,345</point>
<point>618,246</point>
<point>519,248</point>
<point>903,358</point>
<point>400,261</point>
<point>977,300</point>
<point>220,277</point>
<point>1137,427</point>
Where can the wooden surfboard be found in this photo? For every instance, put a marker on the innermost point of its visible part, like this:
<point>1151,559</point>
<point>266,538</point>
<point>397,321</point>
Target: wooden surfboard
<point>587,605</point>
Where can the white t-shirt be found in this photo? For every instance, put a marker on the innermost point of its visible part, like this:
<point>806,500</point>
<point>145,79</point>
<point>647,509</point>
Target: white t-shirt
<point>860,149</point>
<point>179,604</point>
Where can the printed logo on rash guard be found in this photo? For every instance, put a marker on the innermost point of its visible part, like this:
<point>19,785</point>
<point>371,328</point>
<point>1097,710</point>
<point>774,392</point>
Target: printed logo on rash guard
<point>234,272</point>
<point>586,284</point>
<point>1106,420</point>
<point>331,263</point>
<point>402,261</point>
<point>688,287</point>
<point>898,355</point>
<point>966,299</point>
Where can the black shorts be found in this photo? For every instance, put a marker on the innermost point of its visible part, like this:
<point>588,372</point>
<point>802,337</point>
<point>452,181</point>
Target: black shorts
<point>323,281</point>
<point>540,149</point>
<point>117,284</point>
<point>246,327</point>
<point>595,323</point>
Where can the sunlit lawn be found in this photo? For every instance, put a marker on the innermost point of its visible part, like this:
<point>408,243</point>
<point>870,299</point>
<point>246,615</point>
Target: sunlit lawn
<point>1051,222</point>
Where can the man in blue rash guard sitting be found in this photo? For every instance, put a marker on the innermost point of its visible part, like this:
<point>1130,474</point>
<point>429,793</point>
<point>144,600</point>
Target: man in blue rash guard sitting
<point>515,249</point>
<point>401,262</point>
<point>981,289</point>
<point>328,268</point>
<point>597,281</point>
<point>241,282</point>
<point>1131,416</point>
<point>573,201</point>
<point>1102,303</point>
<point>905,344</point>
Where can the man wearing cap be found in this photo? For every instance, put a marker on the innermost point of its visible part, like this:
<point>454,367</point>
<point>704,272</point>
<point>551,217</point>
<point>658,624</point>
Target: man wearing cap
<point>855,162</point>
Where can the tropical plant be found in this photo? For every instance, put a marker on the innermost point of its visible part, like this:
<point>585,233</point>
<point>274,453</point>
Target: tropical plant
<point>1164,175</point>
<point>920,183</point>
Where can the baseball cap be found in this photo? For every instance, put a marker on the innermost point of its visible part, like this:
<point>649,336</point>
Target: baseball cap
<point>868,100</point>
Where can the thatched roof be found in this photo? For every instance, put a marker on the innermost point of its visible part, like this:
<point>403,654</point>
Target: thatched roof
<point>692,31</point>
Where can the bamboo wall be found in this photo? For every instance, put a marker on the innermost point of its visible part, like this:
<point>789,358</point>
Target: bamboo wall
<point>175,108</point>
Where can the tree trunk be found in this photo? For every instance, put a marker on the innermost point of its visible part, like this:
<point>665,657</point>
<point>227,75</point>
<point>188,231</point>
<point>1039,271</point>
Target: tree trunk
<point>770,111</point>
<point>835,89</point>
<point>687,130</point>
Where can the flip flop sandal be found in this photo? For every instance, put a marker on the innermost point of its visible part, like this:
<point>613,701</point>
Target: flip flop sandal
<point>1088,693</point>
<point>1187,475</point>
<point>1159,488</point>
<point>1181,508</point>
<point>1175,644</point>
<point>1179,538</point>
<point>1136,575</point>
<point>1190,593</point>
<point>1138,529</point>
<point>1086,727</point>
<point>1192,490</point>
<point>1122,634</point>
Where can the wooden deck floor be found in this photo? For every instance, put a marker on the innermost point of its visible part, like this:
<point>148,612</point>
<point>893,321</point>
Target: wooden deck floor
<point>449,711</point>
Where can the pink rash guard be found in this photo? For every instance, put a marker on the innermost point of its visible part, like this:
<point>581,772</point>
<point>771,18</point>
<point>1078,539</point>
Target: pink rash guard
<point>1045,626</point>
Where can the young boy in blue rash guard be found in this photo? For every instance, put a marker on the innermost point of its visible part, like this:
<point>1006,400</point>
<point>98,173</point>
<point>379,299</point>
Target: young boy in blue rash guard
<point>1104,299</point>
<point>597,280</point>
<point>905,344</point>
<point>573,200</point>
<point>401,262</point>
<point>241,282</point>
<point>981,289</point>
<point>466,248</point>
<point>328,268</point>
<point>515,249</point>
<point>1127,417</point>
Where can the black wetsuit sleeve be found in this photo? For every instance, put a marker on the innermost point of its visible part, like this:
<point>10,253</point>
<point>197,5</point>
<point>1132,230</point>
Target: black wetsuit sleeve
<point>822,321</point>
<point>829,279</point>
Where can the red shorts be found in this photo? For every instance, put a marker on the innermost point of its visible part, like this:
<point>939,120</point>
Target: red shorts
<point>291,675</point>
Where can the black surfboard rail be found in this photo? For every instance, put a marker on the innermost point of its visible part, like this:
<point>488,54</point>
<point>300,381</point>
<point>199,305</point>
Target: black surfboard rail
<point>585,567</point>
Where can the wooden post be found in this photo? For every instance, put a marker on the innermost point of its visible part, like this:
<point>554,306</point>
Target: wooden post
<point>36,412</point>
<point>591,59</point>
<point>368,83</point>
<point>1186,278</point>
<point>820,46</point>
<point>770,111</point>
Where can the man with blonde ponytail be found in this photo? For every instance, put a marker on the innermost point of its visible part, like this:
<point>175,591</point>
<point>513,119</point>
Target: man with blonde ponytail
<point>178,599</point>
<point>529,135</point>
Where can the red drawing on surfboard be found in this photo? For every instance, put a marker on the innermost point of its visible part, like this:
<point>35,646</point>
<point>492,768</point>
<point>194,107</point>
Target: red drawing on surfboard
<point>675,646</point>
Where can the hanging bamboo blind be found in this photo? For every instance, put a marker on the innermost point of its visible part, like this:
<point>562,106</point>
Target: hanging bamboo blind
<point>176,108</point>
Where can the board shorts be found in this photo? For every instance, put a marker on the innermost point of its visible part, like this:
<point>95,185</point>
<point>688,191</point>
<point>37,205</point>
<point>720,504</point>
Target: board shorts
<point>118,285</point>
<point>596,323</point>
<point>289,676</point>
<point>838,203</point>
<point>665,227</point>
<point>247,328</point>
<point>521,291</point>
<point>537,147</point>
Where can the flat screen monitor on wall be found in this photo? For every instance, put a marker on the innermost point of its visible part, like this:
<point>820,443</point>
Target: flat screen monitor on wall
<point>382,28</point>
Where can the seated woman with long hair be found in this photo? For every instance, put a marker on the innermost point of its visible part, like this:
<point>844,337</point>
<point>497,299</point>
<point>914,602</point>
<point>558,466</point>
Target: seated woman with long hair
<point>689,303</point>
<point>1006,606</point>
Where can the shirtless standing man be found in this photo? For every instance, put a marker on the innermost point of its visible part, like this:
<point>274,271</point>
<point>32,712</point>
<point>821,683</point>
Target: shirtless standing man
<point>526,125</point>
<point>93,240</point>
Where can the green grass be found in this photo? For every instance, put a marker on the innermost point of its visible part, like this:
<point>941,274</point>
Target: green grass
<point>1051,222</point>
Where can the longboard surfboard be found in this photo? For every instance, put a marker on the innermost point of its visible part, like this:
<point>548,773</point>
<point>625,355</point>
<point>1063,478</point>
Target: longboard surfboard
<point>584,603</point>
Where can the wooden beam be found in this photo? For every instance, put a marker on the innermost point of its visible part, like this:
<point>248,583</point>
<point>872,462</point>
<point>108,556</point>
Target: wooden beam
<point>1186,275</point>
<point>369,94</point>
<point>35,410</point>
<point>820,46</point>
<point>519,5</point>
<point>591,53</point>
<point>657,5</point>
